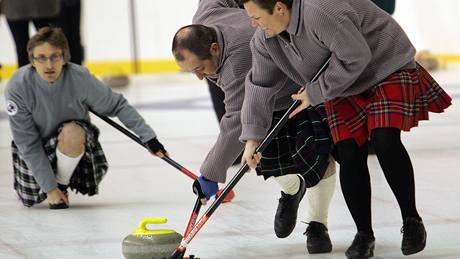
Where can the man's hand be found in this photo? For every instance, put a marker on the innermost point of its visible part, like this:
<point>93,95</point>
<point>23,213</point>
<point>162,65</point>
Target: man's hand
<point>249,156</point>
<point>204,188</point>
<point>304,101</point>
<point>156,148</point>
<point>56,196</point>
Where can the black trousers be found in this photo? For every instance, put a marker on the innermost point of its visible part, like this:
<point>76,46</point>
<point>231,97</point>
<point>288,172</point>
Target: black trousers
<point>69,20</point>
<point>217,98</point>
<point>20,32</point>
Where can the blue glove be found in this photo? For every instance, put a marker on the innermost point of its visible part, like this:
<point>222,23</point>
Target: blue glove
<point>204,188</point>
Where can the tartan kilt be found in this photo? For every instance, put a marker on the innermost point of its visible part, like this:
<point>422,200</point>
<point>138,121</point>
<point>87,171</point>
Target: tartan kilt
<point>85,179</point>
<point>400,101</point>
<point>303,146</point>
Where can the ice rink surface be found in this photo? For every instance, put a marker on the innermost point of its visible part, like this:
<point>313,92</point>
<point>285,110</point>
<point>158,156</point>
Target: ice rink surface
<point>139,185</point>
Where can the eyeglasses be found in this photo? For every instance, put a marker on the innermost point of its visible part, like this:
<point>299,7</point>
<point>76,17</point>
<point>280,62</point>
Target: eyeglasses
<point>53,58</point>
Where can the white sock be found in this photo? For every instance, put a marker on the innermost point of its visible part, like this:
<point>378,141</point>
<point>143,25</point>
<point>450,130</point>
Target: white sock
<point>289,183</point>
<point>319,198</point>
<point>65,166</point>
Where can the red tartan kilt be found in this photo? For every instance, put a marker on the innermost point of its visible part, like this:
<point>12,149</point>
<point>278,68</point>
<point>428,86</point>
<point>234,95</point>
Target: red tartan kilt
<point>400,101</point>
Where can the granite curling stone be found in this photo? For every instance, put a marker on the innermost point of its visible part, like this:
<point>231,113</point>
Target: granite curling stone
<point>146,243</point>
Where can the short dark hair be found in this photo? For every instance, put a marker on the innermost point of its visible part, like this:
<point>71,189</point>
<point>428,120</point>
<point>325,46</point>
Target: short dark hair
<point>269,5</point>
<point>52,35</point>
<point>195,38</point>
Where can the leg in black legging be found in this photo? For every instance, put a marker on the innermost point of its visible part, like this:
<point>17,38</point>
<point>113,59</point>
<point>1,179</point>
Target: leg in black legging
<point>20,32</point>
<point>69,20</point>
<point>397,167</point>
<point>355,182</point>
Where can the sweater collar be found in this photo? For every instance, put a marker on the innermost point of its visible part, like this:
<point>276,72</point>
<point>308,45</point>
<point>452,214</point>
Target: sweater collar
<point>45,84</point>
<point>294,22</point>
<point>222,50</point>
<point>296,18</point>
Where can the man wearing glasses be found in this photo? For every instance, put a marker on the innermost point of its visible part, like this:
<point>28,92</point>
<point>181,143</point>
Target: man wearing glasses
<point>55,146</point>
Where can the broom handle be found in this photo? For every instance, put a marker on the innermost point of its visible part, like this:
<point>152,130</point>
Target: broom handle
<point>136,139</point>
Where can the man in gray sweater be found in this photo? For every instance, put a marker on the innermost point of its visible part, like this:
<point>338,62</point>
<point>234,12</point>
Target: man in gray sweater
<point>218,49</point>
<point>55,146</point>
<point>372,89</point>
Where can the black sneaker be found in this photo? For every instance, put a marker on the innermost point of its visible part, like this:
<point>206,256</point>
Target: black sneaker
<point>318,240</point>
<point>286,213</point>
<point>362,246</point>
<point>414,236</point>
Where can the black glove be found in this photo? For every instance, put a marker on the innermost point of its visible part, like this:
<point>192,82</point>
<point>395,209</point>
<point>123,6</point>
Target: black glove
<point>155,146</point>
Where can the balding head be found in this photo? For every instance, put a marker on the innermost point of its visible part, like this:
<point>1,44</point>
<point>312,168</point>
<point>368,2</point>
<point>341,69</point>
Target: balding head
<point>195,38</point>
<point>196,50</point>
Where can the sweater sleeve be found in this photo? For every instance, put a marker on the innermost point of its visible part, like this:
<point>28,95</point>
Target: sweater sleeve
<point>28,140</point>
<point>108,103</point>
<point>227,146</point>
<point>263,82</point>
<point>350,55</point>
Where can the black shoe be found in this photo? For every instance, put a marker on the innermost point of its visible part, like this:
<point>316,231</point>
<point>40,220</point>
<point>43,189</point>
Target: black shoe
<point>318,240</point>
<point>60,206</point>
<point>362,246</point>
<point>414,236</point>
<point>286,213</point>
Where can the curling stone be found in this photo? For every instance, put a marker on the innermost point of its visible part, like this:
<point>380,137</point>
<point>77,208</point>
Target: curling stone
<point>146,243</point>
<point>115,77</point>
<point>427,60</point>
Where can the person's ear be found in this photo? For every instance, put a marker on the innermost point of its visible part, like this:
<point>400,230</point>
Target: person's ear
<point>280,8</point>
<point>214,49</point>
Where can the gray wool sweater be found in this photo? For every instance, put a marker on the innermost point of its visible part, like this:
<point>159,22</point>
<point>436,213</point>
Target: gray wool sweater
<point>365,45</point>
<point>234,33</point>
<point>36,108</point>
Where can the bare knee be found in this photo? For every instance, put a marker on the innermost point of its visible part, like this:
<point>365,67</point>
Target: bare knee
<point>71,139</point>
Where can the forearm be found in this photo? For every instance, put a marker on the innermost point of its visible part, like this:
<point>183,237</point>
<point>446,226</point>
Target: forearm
<point>256,113</point>
<point>31,150</point>
<point>37,162</point>
<point>225,150</point>
<point>108,103</point>
<point>131,118</point>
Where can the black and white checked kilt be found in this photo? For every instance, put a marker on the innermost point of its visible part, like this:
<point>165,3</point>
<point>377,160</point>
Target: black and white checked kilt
<point>85,179</point>
<point>303,146</point>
